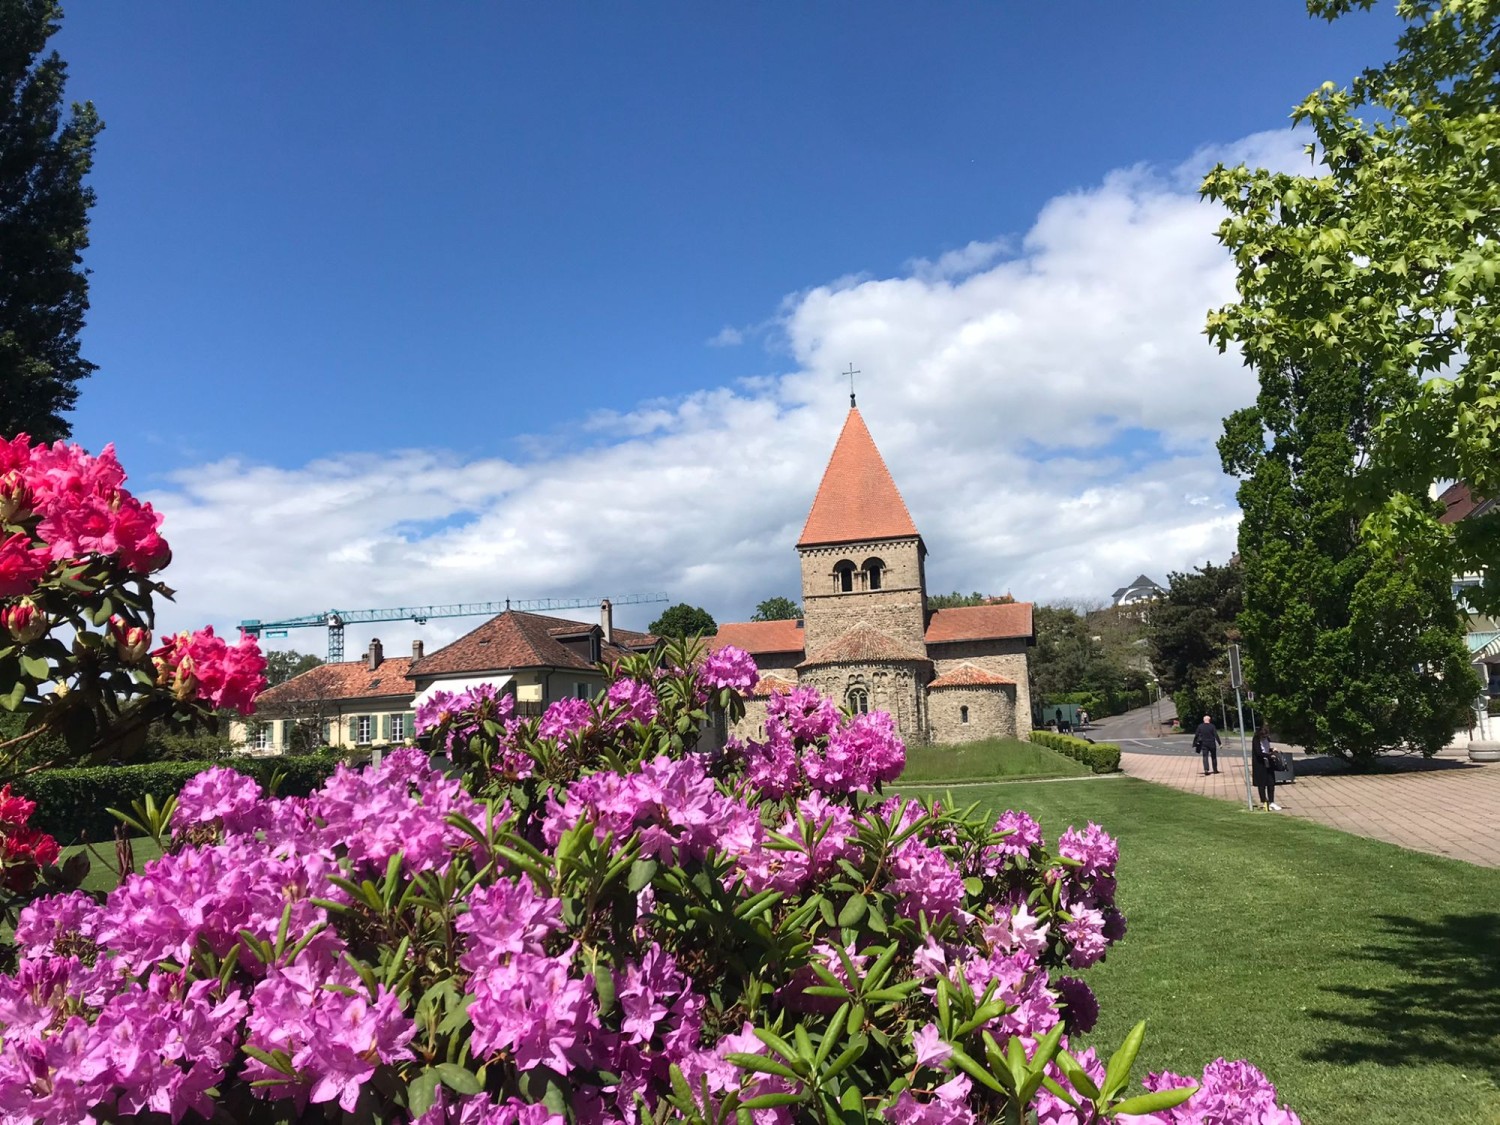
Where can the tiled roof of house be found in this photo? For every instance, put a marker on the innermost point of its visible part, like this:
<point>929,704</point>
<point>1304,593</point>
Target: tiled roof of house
<point>980,623</point>
<point>523,640</point>
<point>349,680</point>
<point>864,644</point>
<point>757,637</point>
<point>857,499</point>
<point>1460,503</point>
<point>968,675</point>
<point>772,684</point>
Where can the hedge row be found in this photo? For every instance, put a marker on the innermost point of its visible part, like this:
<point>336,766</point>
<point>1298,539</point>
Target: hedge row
<point>74,804</point>
<point>1101,757</point>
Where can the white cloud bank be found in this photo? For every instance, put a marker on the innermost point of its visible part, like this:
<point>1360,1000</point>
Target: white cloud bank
<point>1048,406</point>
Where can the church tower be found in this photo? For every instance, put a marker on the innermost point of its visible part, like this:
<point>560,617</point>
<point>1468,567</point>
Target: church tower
<point>862,557</point>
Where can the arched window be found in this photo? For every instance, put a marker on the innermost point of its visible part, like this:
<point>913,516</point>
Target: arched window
<point>858,700</point>
<point>843,577</point>
<point>873,570</point>
<point>963,714</point>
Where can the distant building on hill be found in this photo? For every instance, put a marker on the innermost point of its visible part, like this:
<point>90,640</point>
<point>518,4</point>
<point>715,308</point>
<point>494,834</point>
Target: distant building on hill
<point>1143,589</point>
<point>868,638</point>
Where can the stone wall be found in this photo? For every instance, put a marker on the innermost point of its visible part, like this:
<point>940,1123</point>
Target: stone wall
<point>892,688</point>
<point>992,714</point>
<point>1006,658</point>
<point>898,608</point>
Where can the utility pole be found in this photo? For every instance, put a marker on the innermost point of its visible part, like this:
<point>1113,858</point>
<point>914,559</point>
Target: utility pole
<point>1236,676</point>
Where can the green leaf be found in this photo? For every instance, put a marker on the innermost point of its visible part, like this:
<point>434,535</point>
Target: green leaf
<point>422,1092</point>
<point>1156,1102</point>
<point>855,909</point>
<point>1117,1073</point>
<point>458,1079</point>
<point>642,871</point>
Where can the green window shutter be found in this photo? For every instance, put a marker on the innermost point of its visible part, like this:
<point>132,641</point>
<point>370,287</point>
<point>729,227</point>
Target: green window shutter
<point>411,725</point>
<point>281,732</point>
<point>327,733</point>
<point>385,727</point>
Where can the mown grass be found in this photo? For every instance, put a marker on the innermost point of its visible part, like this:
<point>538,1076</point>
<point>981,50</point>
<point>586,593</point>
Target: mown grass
<point>103,875</point>
<point>1362,978</point>
<point>985,761</point>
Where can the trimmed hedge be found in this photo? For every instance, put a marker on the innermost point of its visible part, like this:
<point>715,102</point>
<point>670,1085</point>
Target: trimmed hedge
<point>71,804</point>
<point>1101,757</point>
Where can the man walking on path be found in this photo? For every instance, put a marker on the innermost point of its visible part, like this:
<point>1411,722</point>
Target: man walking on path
<point>1206,742</point>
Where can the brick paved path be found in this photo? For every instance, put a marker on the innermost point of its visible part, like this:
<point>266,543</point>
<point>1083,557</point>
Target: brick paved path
<point>1445,806</point>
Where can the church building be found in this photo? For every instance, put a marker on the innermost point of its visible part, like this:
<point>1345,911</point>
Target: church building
<point>867,638</point>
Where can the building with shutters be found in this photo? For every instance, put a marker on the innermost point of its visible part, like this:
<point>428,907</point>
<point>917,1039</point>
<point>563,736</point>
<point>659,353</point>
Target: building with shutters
<point>867,637</point>
<point>351,704</point>
<point>371,703</point>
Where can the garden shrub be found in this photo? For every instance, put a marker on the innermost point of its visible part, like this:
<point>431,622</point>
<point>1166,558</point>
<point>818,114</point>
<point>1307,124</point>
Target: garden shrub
<point>1101,757</point>
<point>73,804</point>
<point>582,918</point>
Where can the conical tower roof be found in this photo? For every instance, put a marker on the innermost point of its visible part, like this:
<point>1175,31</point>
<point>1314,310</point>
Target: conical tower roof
<point>857,499</point>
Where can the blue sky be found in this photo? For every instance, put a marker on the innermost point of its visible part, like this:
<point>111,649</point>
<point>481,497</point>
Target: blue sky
<point>501,236</point>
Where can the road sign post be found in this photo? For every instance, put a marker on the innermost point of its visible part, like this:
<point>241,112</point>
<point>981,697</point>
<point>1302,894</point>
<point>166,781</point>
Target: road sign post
<point>1236,677</point>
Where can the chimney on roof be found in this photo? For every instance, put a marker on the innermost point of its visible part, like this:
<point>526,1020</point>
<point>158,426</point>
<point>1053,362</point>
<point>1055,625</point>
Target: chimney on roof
<point>607,621</point>
<point>416,650</point>
<point>377,654</point>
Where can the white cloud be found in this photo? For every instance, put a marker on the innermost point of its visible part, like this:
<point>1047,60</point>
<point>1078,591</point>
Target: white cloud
<point>1048,407</point>
<point>726,337</point>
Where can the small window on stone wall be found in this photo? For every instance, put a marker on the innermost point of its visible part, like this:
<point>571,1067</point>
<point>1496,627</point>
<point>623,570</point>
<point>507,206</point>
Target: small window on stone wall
<point>843,577</point>
<point>963,714</point>
<point>858,700</point>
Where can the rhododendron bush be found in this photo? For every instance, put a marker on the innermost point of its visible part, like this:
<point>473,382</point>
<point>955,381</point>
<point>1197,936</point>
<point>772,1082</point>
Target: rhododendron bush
<point>78,554</point>
<point>589,917</point>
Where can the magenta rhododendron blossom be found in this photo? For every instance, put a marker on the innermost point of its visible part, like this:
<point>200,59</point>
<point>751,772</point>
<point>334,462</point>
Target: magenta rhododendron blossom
<point>223,797</point>
<point>634,699</point>
<point>730,667</point>
<point>565,718</point>
<point>202,666</point>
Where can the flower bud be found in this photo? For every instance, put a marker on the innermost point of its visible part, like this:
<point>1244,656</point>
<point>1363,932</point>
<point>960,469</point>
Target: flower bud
<point>16,497</point>
<point>132,642</point>
<point>24,621</point>
<point>185,681</point>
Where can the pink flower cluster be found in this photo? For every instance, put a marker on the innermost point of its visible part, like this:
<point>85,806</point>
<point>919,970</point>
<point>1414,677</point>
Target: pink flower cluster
<point>1228,1092</point>
<point>730,667</point>
<point>202,666</point>
<point>81,508</point>
<point>808,746</point>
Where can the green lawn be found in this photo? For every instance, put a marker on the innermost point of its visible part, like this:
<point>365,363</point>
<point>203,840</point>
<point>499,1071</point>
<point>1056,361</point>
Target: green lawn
<point>1364,979</point>
<point>984,761</point>
<point>102,874</point>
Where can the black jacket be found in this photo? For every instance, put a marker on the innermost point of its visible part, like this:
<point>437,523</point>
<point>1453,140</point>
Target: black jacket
<point>1206,735</point>
<point>1260,760</point>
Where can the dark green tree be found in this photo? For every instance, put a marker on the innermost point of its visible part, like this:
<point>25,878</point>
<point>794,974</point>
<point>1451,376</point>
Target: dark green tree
<point>283,664</point>
<point>1189,633</point>
<point>44,229</point>
<point>683,620</point>
<point>1351,650</point>
<point>777,609</point>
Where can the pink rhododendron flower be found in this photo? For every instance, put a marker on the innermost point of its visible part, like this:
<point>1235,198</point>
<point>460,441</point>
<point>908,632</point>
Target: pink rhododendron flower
<point>565,718</point>
<point>21,565</point>
<point>730,667</point>
<point>929,1046</point>
<point>926,880</point>
<point>634,698</point>
<point>1094,849</point>
<point>203,666</point>
<point>221,796</point>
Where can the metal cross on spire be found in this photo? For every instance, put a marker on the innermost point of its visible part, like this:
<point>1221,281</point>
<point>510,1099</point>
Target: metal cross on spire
<point>851,373</point>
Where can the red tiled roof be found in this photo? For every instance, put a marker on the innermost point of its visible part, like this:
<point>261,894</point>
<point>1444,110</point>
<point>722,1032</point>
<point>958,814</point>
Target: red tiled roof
<point>980,623</point>
<point>350,680</point>
<point>1459,502</point>
<point>771,684</point>
<point>759,636</point>
<point>857,499</point>
<point>523,640</point>
<point>968,675</point>
<point>864,644</point>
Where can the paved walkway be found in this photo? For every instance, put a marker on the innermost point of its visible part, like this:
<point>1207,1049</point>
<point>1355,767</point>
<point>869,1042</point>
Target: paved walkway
<point>1445,805</point>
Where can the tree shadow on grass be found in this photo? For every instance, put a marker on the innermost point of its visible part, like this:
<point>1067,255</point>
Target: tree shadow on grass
<point>1437,1000</point>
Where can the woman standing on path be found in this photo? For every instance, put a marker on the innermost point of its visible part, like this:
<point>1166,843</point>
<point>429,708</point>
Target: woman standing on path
<point>1263,768</point>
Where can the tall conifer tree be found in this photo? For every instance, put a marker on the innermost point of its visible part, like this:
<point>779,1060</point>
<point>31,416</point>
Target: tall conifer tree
<point>44,207</point>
